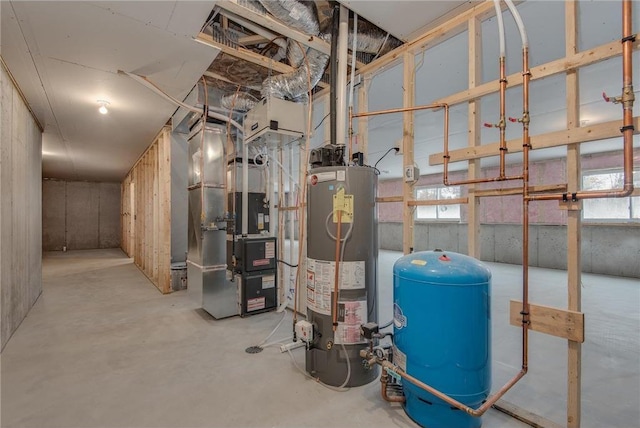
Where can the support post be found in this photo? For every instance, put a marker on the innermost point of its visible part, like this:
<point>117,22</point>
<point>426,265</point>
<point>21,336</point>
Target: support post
<point>574,221</point>
<point>408,100</point>
<point>475,76</point>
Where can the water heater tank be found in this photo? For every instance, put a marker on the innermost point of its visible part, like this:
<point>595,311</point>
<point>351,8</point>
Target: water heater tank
<point>442,334</point>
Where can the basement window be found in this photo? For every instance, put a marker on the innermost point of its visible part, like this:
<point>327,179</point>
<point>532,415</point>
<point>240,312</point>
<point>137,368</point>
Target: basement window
<point>438,212</point>
<point>610,209</point>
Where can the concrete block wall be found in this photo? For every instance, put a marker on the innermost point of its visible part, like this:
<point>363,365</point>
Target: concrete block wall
<point>606,249</point>
<point>20,209</point>
<point>80,215</point>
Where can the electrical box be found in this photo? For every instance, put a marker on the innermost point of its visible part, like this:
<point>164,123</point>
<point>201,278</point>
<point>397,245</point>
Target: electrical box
<point>271,119</point>
<point>258,292</point>
<point>304,331</point>
<point>411,174</point>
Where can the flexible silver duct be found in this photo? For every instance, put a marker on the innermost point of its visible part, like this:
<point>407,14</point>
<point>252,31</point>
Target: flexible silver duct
<point>296,14</point>
<point>240,102</point>
<point>301,16</point>
<point>295,85</point>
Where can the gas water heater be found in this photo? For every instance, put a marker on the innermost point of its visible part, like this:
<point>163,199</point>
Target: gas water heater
<point>342,233</point>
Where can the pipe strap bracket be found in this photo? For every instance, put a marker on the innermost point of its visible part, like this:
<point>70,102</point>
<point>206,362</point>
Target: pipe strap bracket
<point>631,38</point>
<point>627,128</point>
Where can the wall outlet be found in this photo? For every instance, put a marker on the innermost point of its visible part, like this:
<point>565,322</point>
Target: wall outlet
<point>398,146</point>
<point>411,174</point>
<point>304,331</point>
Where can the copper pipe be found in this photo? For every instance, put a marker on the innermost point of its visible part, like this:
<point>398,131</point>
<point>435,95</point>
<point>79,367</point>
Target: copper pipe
<point>502,124</point>
<point>384,381</point>
<point>350,132</point>
<point>452,401</point>
<point>526,146</point>
<point>336,285</point>
<point>627,98</point>
<point>400,110</point>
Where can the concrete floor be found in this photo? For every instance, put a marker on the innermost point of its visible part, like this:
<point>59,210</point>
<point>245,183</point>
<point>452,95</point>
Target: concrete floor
<point>102,347</point>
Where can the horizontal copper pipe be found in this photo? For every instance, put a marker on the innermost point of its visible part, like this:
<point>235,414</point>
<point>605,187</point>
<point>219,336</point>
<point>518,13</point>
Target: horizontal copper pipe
<point>399,198</point>
<point>400,110</point>
<point>452,401</point>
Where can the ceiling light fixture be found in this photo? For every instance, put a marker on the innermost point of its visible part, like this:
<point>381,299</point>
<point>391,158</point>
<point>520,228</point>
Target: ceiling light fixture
<point>103,106</point>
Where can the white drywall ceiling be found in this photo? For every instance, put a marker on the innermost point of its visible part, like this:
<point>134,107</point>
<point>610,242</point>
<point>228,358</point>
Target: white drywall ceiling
<point>404,19</point>
<point>66,55</point>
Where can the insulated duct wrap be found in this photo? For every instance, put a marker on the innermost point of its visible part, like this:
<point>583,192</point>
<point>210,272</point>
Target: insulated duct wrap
<point>295,85</point>
<point>302,16</point>
<point>296,14</point>
<point>241,102</point>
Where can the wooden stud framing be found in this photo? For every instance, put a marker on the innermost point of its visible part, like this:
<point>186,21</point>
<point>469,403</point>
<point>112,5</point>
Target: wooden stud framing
<point>474,170</point>
<point>147,198</point>
<point>408,100</point>
<point>574,221</point>
<point>599,131</point>
<point>363,122</point>
<point>553,321</point>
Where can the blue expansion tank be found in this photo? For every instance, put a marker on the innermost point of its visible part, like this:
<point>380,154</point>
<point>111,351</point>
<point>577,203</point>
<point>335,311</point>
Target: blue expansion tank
<point>442,334</point>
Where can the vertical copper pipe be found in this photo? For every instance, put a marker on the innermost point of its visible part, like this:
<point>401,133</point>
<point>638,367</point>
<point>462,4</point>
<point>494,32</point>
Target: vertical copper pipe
<point>502,124</point>
<point>526,146</point>
<point>350,133</point>
<point>336,285</point>
<point>384,381</point>
<point>627,98</point>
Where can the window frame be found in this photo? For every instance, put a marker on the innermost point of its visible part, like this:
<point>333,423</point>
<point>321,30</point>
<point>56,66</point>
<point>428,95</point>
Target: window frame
<point>437,207</point>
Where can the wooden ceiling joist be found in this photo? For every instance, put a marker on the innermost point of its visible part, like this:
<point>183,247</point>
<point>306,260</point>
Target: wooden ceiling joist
<point>249,56</point>
<point>234,11</point>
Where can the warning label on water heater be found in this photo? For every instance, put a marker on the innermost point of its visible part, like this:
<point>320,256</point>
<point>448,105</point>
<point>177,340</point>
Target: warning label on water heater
<point>351,315</point>
<point>320,282</point>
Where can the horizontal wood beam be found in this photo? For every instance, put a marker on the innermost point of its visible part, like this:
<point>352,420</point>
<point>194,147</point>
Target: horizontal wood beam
<point>421,203</point>
<point>256,39</point>
<point>572,62</point>
<point>217,76</point>
<point>397,198</point>
<point>585,134</point>
<point>231,8</point>
<point>523,415</point>
<point>245,54</point>
<point>249,56</point>
<point>553,321</point>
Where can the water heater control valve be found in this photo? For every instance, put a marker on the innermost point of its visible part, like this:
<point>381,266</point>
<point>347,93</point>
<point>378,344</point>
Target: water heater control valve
<point>304,331</point>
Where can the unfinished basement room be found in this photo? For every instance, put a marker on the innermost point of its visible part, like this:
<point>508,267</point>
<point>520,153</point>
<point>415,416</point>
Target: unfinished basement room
<point>296,213</point>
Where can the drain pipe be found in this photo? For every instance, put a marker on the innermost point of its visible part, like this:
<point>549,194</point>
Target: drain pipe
<point>334,73</point>
<point>341,85</point>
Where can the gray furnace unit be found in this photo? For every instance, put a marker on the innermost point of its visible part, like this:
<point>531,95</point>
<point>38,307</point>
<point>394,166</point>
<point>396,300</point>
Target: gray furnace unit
<point>351,190</point>
<point>208,280</point>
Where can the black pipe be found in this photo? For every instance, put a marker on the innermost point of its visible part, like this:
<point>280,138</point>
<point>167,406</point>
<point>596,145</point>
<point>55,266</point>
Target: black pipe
<point>334,73</point>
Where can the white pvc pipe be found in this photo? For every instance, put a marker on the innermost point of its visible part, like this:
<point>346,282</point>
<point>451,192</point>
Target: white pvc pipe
<point>503,50</point>
<point>353,58</point>
<point>341,87</point>
<point>519,23</point>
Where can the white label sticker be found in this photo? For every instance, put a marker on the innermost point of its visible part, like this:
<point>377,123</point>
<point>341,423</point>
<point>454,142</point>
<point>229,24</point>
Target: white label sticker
<point>266,218</point>
<point>322,176</point>
<point>320,281</point>
<point>255,304</point>
<point>351,315</point>
<point>269,249</point>
<point>268,281</point>
<point>399,359</point>
<point>260,221</point>
<point>340,175</point>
